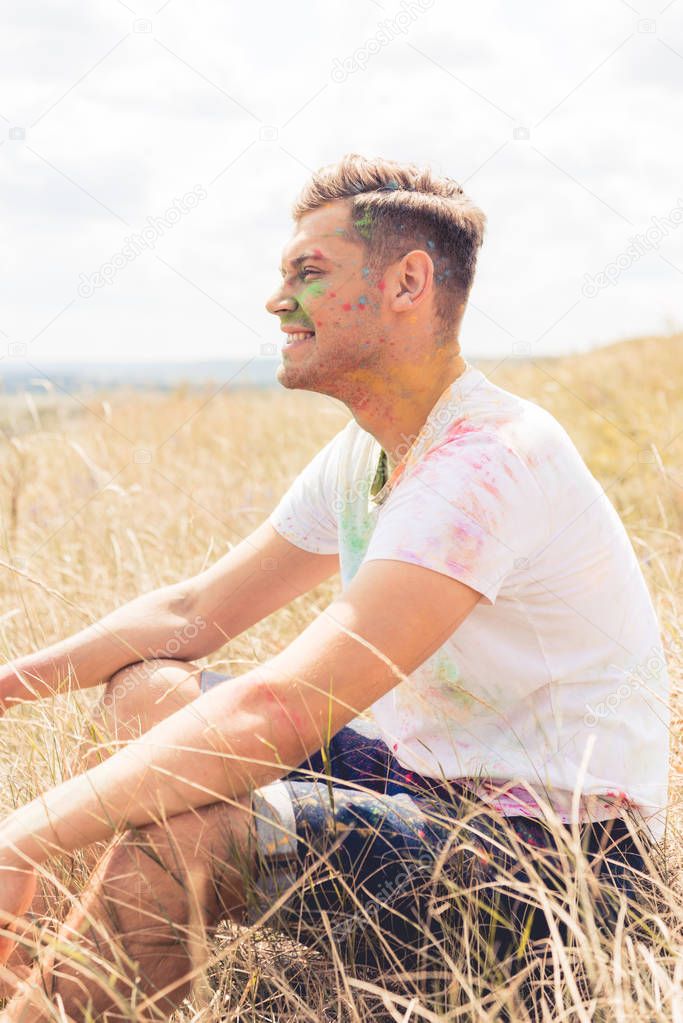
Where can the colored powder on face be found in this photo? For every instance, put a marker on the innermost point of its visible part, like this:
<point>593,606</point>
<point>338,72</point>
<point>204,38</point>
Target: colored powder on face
<point>365,271</point>
<point>381,285</point>
<point>318,323</point>
<point>333,294</point>
<point>364,225</point>
<point>362,300</point>
<point>347,307</point>
<point>314,290</point>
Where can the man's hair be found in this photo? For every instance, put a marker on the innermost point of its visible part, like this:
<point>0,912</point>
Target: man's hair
<point>398,207</point>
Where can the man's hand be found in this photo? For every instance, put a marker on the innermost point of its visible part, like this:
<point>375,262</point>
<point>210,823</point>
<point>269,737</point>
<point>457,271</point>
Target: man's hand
<point>17,888</point>
<point>18,685</point>
<point>186,621</point>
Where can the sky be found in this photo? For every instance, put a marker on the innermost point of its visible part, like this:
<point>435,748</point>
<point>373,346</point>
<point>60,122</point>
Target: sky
<point>150,154</point>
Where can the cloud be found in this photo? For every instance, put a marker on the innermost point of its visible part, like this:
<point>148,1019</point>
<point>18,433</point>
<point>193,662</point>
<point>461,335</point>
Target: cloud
<point>124,111</point>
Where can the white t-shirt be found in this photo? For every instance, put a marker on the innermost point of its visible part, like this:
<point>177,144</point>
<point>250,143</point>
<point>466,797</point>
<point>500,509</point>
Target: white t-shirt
<point>557,680</point>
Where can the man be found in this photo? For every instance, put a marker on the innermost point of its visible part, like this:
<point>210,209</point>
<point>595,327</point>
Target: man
<point>491,607</point>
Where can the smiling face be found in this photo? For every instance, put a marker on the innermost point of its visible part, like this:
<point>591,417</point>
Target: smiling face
<point>329,292</point>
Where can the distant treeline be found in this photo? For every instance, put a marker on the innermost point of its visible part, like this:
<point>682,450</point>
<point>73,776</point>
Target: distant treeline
<point>17,376</point>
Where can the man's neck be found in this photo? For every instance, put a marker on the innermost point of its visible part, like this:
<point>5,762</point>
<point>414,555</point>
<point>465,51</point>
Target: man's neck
<point>395,409</point>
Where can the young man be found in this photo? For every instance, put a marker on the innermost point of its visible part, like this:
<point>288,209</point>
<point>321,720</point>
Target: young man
<point>494,645</point>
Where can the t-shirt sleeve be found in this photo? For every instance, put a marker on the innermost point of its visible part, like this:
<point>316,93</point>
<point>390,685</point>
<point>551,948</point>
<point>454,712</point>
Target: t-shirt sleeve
<point>470,509</point>
<point>305,513</point>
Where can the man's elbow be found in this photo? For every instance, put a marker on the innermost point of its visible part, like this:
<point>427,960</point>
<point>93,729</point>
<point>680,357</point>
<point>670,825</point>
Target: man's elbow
<point>284,720</point>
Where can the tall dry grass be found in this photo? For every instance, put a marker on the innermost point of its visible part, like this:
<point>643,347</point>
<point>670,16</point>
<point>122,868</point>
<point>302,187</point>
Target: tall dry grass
<point>105,496</point>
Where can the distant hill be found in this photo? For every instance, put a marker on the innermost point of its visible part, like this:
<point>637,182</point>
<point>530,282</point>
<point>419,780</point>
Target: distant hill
<point>17,376</point>
<point>259,371</point>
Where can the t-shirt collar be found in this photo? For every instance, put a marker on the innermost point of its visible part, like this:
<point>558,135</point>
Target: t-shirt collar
<point>437,421</point>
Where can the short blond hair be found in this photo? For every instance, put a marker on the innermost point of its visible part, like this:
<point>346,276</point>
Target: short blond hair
<point>398,207</point>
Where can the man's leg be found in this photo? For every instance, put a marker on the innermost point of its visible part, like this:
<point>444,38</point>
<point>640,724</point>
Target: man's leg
<point>136,698</point>
<point>140,928</point>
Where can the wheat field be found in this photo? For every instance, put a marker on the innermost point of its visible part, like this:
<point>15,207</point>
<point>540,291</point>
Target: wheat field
<point>104,496</point>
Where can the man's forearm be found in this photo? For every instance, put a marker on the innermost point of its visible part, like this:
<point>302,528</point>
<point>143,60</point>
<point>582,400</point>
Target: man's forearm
<point>222,745</point>
<point>152,625</point>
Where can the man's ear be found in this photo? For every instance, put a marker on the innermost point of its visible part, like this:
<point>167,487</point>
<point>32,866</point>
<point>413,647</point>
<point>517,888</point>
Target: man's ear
<point>412,280</point>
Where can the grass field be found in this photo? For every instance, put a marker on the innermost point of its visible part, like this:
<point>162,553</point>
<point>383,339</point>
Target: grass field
<point>105,496</point>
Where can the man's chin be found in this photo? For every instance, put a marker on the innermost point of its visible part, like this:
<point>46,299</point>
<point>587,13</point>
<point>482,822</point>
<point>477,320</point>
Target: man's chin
<point>295,378</point>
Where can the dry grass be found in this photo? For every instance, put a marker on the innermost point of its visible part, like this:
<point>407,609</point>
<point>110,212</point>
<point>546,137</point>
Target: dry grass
<point>103,497</point>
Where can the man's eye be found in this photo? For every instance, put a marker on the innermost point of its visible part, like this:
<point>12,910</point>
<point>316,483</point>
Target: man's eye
<point>308,269</point>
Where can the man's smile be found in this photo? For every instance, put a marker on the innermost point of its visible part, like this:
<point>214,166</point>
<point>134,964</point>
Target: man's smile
<point>296,336</point>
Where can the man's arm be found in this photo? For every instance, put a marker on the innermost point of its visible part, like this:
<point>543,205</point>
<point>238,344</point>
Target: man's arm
<point>251,581</point>
<point>234,738</point>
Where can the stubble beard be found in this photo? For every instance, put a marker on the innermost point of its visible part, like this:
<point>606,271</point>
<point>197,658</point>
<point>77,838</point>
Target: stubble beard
<point>335,377</point>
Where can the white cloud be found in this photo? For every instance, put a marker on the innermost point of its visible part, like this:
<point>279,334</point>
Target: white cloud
<point>119,122</point>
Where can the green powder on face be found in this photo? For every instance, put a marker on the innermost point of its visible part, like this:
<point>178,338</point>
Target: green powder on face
<point>364,225</point>
<point>313,290</point>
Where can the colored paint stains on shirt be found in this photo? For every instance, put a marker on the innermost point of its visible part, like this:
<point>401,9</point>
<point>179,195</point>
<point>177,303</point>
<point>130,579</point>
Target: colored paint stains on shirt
<point>493,482</point>
<point>357,529</point>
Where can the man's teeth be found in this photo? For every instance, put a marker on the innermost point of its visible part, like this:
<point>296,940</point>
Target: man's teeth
<point>300,335</point>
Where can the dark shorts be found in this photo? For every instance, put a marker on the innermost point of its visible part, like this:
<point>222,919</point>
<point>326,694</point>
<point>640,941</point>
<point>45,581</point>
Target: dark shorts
<point>392,868</point>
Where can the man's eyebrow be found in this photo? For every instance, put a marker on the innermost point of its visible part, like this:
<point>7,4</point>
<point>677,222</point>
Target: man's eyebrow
<point>302,258</point>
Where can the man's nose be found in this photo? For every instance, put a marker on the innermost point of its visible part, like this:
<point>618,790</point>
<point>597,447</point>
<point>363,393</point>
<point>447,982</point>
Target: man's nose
<point>280,303</point>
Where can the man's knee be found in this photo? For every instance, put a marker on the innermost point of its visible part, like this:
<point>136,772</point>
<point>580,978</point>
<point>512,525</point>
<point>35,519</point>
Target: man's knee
<point>142,685</point>
<point>142,671</point>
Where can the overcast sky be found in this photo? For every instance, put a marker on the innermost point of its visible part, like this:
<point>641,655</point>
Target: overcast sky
<point>562,121</point>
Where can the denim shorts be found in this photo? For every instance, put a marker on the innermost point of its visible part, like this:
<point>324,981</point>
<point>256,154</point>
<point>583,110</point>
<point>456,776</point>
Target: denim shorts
<point>355,850</point>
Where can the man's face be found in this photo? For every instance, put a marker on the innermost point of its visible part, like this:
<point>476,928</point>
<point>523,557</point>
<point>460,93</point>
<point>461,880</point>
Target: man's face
<point>328,292</point>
